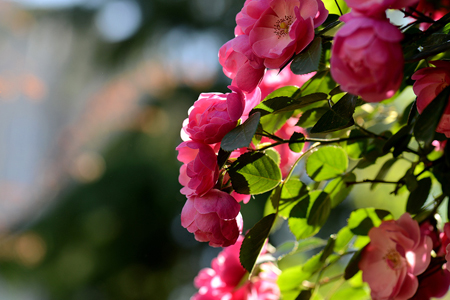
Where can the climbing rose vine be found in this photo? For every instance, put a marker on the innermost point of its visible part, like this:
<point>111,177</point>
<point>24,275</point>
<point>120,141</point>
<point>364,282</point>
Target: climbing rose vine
<point>333,113</point>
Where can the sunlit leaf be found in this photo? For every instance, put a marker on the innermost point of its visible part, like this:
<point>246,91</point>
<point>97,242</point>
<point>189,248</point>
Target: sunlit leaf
<point>338,189</point>
<point>326,163</point>
<point>363,219</point>
<point>254,173</point>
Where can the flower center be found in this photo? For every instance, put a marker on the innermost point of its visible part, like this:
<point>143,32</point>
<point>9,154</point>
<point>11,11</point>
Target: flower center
<point>281,27</point>
<point>393,259</point>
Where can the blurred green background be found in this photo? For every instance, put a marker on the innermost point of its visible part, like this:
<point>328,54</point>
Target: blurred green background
<point>92,97</point>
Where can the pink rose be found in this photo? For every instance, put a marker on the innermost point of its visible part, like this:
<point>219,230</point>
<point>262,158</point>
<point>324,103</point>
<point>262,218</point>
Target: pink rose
<point>274,80</point>
<point>249,14</point>
<point>367,58</point>
<point>396,254</point>
<point>213,217</point>
<point>376,8</point>
<point>240,63</point>
<point>200,171</point>
<point>429,83</point>
<point>285,29</point>
<point>214,115</point>
<point>222,280</point>
<point>433,9</point>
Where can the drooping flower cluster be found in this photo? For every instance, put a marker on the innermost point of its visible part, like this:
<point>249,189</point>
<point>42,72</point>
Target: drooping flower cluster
<point>429,83</point>
<point>211,214</point>
<point>268,34</point>
<point>224,280</point>
<point>364,46</point>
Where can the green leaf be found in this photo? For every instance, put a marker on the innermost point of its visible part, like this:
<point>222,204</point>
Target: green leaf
<point>291,279</point>
<point>337,90</point>
<point>308,60</point>
<point>300,222</point>
<point>310,117</point>
<point>284,249</point>
<point>350,293</point>
<point>304,101</point>
<point>242,135</point>
<point>384,170</point>
<point>326,163</point>
<point>338,117</point>
<point>296,142</point>
<point>254,241</point>
<point>304,295</point>
<point>352,266</point>
<point>418,197</point>
<point>356,148</point>
<point>313,264</point>
<point>222,157</point>
<point>285,91</point>
<point>343,238</point>
<point>320,210</point>
<point>254,173</point>
<point>338,189</point>
<point>363,219</point>
<point>273,122</point>
<point>273,154</point>
<point>428,121</point>
<point>321,82</point>
<point>273,105</point>
<point>275,196</point>
<point>399,141</point>
<point>328,250</point>
<point>293,190</point>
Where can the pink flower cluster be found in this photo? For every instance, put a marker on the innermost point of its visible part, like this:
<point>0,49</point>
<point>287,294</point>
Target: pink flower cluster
<point>224,279</point>
<point>364,46</point>
<point>397,263</point>
<point>268,34</point>
<point>211,214</point>
<point>429,83</point>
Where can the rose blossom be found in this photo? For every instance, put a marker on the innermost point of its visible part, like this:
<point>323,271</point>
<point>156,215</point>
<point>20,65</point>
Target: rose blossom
<point>200,171</point>
<point>396,254</point>
<point>433,9</point>
<point>221,281</point>
<point>240,63</point>
<point>429,83</point>
<point>285,29</point>
<point>367,58</point>
<point>376,8</point>
<point>213,115</point>
<point>213,217</point>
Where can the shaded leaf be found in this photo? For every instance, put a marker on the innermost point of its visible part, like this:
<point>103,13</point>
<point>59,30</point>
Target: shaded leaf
<point>308,60</point>
<point>338,117</point>
<point>329,248</point>
<point>254,241</point>
<point>293,190</point>
<point>296,142</point>
<point>363,219</point>
<point>273,122</point>
<point>321,82</point>
<point>418,196</point>
<point>320,210</point>
<point>384,170</point>
<point>352,266</point>
<point>428,121</point>
<point>310,117</point>
<point>242,135</point>
<point>338,189</point>
<point>343,238</point>
<point>399,140</point>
